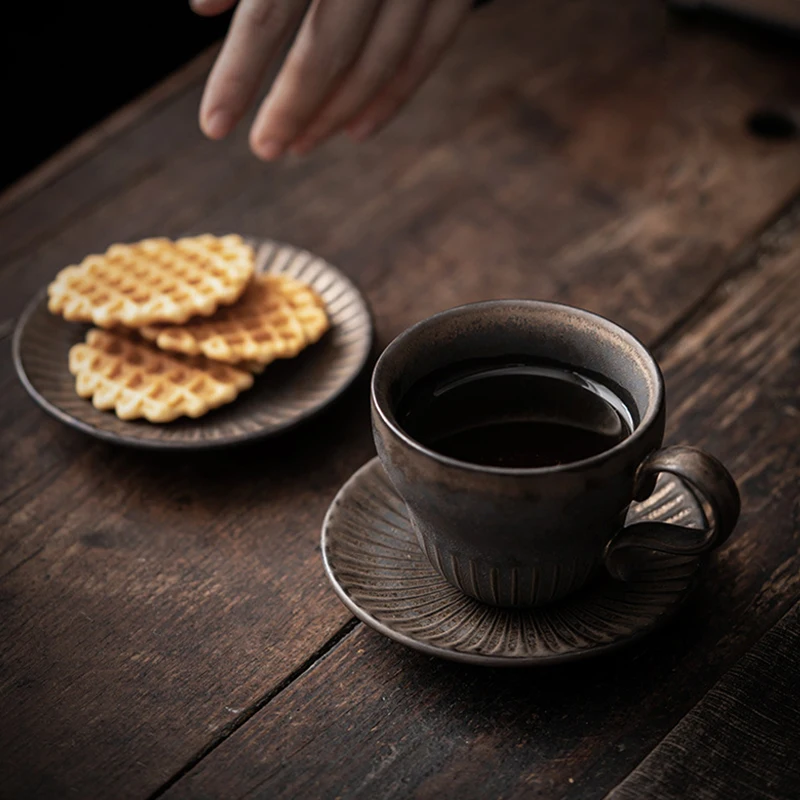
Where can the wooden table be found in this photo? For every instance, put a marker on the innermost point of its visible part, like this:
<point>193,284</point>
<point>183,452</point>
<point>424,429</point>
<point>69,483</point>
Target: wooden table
<point>166,629</point>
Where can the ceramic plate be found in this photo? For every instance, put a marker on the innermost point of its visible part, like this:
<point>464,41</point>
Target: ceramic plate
<point>285,394</point>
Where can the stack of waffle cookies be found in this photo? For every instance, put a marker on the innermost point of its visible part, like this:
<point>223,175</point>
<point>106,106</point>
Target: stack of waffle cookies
<point>181,326</point>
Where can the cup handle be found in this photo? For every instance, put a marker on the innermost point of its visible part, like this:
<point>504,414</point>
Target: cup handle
<point>710,483</point>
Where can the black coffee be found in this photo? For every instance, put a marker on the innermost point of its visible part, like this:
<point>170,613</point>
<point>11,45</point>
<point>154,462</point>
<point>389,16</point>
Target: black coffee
<point>512,412</point>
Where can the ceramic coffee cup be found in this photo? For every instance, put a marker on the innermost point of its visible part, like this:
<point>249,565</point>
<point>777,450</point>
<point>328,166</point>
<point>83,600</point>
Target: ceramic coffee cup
<point>523,537</point>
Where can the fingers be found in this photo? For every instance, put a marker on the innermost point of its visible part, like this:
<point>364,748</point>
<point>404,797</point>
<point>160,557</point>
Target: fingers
<point>257,30</point>
<point>353,62</point>
<point>210,8</point>
<point>389,42</point>
<point>328,42</point>
<point>439,28</point>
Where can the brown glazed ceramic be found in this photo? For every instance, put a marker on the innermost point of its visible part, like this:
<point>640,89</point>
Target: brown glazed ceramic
<point>525,537</point>
<point>286,394</point>
<point>377,569</point>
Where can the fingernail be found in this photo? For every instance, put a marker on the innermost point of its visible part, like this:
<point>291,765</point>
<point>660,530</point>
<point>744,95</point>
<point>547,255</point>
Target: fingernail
<point>218,124</point>
<point>362,130</point>
<point>268,149</point>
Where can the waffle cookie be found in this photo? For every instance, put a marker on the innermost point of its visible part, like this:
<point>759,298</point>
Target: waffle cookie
<point>136,380</point>
<point>276,317</point>
<point>155,280</point>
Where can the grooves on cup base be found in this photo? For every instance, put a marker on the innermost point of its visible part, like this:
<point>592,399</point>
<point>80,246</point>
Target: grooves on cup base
<point>510,587</point>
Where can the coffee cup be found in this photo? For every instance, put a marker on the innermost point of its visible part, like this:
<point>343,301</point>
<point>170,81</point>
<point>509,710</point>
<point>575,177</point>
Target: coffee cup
<point>512,534</point>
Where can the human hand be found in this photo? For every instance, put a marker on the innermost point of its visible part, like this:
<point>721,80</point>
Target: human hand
<point>352,65</point>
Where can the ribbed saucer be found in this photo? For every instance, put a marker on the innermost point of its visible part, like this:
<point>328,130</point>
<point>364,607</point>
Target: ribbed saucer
<point>380,573</point>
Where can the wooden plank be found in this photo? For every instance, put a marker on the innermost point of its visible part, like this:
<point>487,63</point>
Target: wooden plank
<point>90,143</point>
<point>150,603</point>
<point>742,739</point>
<point>647,136</point>
<point>147,602</point>
<point>97,165</point>
<point>398,724</point>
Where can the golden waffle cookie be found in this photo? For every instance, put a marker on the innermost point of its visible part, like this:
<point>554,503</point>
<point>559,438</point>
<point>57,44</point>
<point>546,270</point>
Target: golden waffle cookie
<point>276,317</point>
<point>136,380</point>
<point>155,280</point>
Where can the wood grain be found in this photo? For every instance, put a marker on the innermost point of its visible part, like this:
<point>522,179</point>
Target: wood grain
<point>398,724</point>
<point>567,151</point>
<point>742,739</point>
<point>98,137</point>
<point>614,140</point>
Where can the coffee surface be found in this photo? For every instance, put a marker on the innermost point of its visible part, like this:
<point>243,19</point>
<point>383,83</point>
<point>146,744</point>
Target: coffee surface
<point>512,412</point>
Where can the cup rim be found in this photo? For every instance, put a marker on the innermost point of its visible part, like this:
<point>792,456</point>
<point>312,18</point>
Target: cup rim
<point>648,418</point>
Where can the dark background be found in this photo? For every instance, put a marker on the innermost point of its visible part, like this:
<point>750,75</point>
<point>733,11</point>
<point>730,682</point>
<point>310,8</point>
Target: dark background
<point>65,66</point>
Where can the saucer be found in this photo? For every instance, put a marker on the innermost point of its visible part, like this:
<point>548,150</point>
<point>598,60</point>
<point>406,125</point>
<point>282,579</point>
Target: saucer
<point>380,573</point>
<point>289,392</point>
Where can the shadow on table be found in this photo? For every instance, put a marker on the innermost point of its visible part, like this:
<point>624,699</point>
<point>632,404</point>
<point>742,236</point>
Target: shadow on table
<point>626,700</point>
<point>317,455</point>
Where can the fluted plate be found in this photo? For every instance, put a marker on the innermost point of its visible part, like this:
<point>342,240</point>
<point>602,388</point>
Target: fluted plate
<point>378,570</point>
<point>286,393</point>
